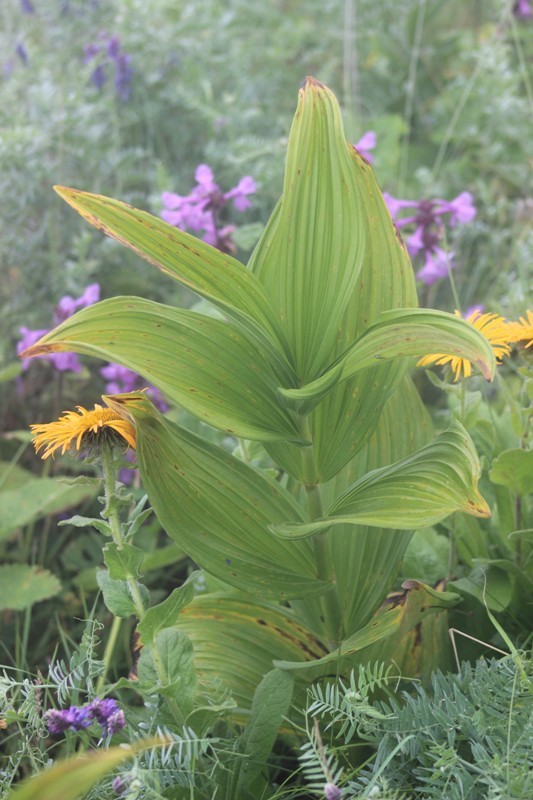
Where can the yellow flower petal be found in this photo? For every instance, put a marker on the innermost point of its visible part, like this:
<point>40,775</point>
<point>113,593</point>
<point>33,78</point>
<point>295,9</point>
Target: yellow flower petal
<point>523,329</point>
<point>495,328</point>
<point>77,429</point>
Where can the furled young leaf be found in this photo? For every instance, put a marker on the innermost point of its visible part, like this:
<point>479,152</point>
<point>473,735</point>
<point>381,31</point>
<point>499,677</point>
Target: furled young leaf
<point>405,332</point>
<point>23,585</point>
<point>417,491</point>
<point>206,365</point>
<point>332,261</point>
<point>311,253</point>
<point>218,508</point>
<point>202,268</point>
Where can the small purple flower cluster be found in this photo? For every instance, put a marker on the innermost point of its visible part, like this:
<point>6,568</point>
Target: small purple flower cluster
<point>366,143</point>
<point>200,209</point>
<point>107,51</point>
<point>427,219</point>
<point>76,718</point>
<point>332,791</point>
<point>67,306</point>
<point>119,379</point>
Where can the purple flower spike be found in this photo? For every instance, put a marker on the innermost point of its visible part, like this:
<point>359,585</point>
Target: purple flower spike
<point>332,792</point>
<point>73,718</point>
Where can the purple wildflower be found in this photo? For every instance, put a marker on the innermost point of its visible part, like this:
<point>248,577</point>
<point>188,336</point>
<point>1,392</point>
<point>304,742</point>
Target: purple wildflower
<point>22,53</point>
<point>462,210</point>
<point>366,142</point>
<point>200,209</point>
<point>123,75</point>
<point>73,718</point>
<point>425,241</point>
<point>522,9</point>
<point>332,792</point>
<point>27,7</point>
<point>66,307</point>
<point>119,785</point>
<point>246,186</point>
<point>108,51</point>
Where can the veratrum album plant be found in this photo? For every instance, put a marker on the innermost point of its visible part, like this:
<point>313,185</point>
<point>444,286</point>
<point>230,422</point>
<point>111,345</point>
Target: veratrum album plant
<point>308,354</point>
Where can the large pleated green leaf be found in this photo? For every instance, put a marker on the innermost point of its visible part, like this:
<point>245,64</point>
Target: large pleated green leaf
<point>311,253</point>
<point>416,492</point>
<point>204,269</point>
<point>206,365</point>
<point>348,247</point>
<point>217,508</point>
<point>406,332</point>
<point>236,637</point>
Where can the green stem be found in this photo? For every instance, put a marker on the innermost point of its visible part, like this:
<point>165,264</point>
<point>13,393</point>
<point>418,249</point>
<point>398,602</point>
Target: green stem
<point>329,602</point>
<point>108,653</point>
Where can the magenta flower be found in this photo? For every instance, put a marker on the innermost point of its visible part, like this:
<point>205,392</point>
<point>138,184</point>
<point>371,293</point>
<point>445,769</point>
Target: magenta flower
<point>239,194</point>
<point>200,210</point>
<point>428,218</point>
<point>522,9</point>
<point>366,142</point>
<point>436,266</point>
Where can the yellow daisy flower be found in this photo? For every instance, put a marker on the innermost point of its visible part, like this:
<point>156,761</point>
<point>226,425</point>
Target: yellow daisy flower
<point>523,329</point>
<point>494,327</point>
<point>82,429</point>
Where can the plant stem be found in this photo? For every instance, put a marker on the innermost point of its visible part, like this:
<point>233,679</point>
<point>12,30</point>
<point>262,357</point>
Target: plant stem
<point>108,653</point>
<point>329,602</point>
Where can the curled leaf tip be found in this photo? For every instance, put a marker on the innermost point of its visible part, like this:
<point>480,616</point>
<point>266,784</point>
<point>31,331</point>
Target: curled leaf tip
<point>311,83</point>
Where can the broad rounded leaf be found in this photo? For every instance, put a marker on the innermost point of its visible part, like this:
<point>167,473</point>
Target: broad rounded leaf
<point>23,585</point>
